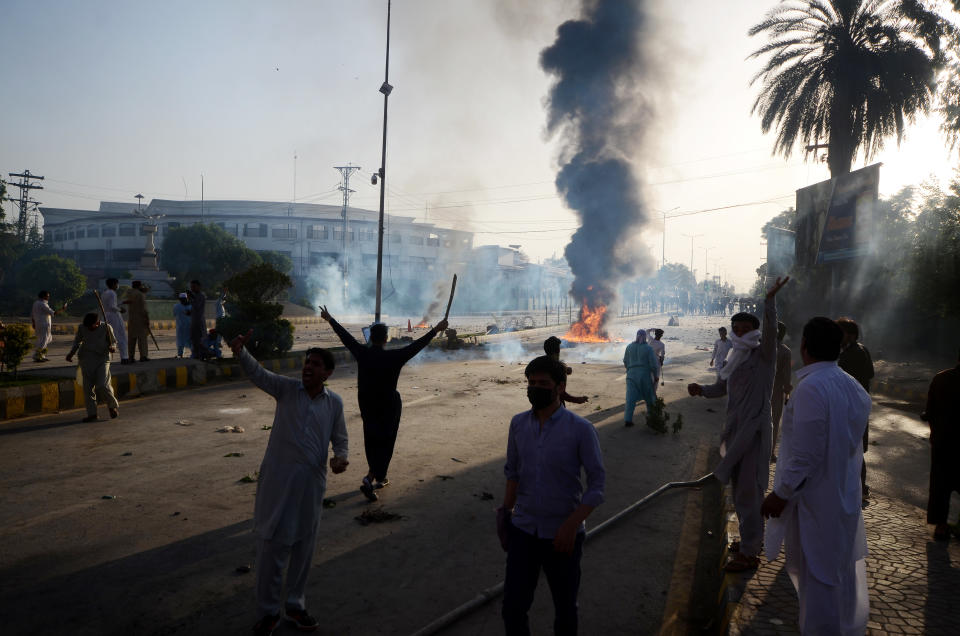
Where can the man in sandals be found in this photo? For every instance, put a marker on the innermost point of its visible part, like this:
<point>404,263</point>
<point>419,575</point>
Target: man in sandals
<point>815,502</point>
<point>747,381</point>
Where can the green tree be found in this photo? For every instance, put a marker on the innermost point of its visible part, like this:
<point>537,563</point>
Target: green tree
<point>850,71</point>
<point>15,341</point>
<point>280,261</point>
<point>250,306</point>
<point>59,276</point>
<point>936,254</point>
<point>205,252</point>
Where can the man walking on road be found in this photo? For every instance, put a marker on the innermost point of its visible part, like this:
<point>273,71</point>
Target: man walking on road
<point>138,321</point>
<point>943,415</point>
<point>721,347</point>
<point>95,342</point>
<point>815,500</point>
<point>114,312</point>
<point>42,317</point>
<point>855,360</point>
<point>547,447</point>
<point>643,374</point>
<point>747,381</point>
<point>378,371</point>
<point>293,478</point>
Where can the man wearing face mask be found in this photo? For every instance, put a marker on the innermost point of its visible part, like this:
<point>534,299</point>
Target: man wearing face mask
<point>747,381</point>
<point>546,449</point>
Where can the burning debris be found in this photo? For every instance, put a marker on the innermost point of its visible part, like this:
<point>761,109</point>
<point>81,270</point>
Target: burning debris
<point>597,107</point>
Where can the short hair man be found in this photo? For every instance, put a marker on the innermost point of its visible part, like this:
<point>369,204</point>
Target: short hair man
<point>114,313</point>
<point>943,415</point>
<point>551,347</point>
<point>659,348</point>
<point>378,370</point>
<point>138,321</point>
<point>855,359</point>
<point>547,447</point>
<point>96,342</point>
<point>816,493</point>
<point>293,478</point>
<point>41,315</point>
<point>747,380</point>
<point>721,347</point>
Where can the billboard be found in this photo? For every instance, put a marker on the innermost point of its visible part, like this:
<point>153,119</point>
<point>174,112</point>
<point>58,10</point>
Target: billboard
<point>781,250</point>
<point>835,217</point>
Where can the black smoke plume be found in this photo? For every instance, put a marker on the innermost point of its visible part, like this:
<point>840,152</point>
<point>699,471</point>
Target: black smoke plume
<point>596,105</point>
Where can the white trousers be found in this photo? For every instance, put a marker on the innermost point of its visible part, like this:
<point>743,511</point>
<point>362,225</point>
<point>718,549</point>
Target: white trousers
<point>115,321</point>
<point>272,559</point>
<point>827,610</point>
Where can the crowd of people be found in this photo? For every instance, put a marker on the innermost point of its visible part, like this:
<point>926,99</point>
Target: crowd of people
<point>815,430</point>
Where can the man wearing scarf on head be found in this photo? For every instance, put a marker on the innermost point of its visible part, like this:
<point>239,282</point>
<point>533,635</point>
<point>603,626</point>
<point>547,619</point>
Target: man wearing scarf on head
<point>643,373</point>
<point>747,381</point>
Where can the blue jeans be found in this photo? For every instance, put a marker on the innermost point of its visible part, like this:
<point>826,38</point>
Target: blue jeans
<point>526,555</point>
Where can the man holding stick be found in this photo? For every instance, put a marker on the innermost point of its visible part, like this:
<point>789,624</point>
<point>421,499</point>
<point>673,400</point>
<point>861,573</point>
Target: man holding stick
<point>378,371</point>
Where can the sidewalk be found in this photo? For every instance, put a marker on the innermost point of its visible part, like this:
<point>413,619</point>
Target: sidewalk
<point>913,581</point>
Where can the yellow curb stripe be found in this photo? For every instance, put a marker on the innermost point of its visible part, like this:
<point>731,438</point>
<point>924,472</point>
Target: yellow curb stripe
<point>49,396</point>
<point>15,405</point>
<point>77,395</point>
<point>162,378</point>
<point>115,383</point>
<point>181,377</point>
<point>133,382</point>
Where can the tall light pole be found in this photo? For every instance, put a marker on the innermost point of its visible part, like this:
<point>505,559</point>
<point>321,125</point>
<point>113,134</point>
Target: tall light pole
<point>692,237</point>
<point>663,245</point>
<point>706,252</point>
<point>386,89</point>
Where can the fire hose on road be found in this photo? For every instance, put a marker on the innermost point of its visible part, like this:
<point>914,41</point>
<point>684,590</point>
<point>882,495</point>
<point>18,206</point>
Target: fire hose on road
<point>494,591</point>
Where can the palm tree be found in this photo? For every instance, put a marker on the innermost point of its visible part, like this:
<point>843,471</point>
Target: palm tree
<point>853,71</point>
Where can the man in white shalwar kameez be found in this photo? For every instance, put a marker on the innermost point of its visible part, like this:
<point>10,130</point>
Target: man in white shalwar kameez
<point>114,313</point>
<point>747,381</point>
<point>42,317</point>
<point>815,504</point>
<point>293,475</point>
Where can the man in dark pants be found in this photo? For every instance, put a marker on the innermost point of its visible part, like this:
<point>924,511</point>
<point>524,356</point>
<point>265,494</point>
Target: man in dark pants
<point>546,449</point>
<point>198,321</point>
<point>378,371</point>
<point>855,360</point>
<point>943,415</point>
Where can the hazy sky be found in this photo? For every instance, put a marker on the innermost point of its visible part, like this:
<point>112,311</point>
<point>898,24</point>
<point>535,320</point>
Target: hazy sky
<point>111,98</point>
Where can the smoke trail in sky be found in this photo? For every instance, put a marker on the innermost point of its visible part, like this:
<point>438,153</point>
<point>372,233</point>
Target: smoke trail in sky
<point>596,106</point>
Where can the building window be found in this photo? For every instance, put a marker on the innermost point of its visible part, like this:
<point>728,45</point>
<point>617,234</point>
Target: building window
<point>128,229</point>
<point>338,235</point>
<point>170,226</point>
<point>143,230</point>
<point>368,235</point>
<point>433,240</point>
<point>255,230</point>
<point>108,230</point>
<point>93,231</point>
<point>47,236</point>
<point>81,232</point>
<point>229,228</point>
<point>281,232</point>
<point>58,235</point>
<point>415,240</point>
<point>318,232</point>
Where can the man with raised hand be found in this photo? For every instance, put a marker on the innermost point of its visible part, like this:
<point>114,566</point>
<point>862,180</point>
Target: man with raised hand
<point>293,478</point>
<point>747,381</point>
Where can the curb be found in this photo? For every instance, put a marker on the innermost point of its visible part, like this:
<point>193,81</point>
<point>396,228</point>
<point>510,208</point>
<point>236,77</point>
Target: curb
<point>733,584</point>
<point>63,395</point>
<point>888,388</point>
<point>69,329</point>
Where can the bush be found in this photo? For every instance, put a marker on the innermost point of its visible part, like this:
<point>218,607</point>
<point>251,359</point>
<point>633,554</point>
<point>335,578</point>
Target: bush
<point>249,307</point>
<point>14,345</point>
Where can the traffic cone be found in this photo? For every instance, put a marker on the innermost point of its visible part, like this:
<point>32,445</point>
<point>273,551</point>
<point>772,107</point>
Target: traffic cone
<point>409,325</point>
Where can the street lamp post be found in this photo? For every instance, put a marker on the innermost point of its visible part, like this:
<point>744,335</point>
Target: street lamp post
<point>386,89</point>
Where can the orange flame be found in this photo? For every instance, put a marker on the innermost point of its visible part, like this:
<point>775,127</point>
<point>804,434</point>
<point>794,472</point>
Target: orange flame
<point>590,326</point>
<point>422,325</point>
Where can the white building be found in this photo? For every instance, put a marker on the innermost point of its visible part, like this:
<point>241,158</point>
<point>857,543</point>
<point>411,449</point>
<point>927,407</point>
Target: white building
<point>111,238</point>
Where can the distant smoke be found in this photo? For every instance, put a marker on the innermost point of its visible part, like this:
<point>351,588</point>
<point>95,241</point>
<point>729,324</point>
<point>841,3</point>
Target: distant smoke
<point>596,106</point>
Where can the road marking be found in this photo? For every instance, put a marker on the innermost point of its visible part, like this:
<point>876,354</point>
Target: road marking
<point>421,400</point>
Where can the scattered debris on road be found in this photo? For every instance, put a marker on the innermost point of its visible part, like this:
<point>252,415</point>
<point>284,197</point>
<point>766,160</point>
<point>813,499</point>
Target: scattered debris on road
<point>484,496</point>
<point>444,477</point>
<point>329,503</point>
<point>109,497</point>
<point>234,455</point>
<point>266,427</point>
<point>183,423</point>
<point>376,515</point>
<point>127,454</point>
<point>458,460</point>
<point>250,478</point>
<point>230,429</point>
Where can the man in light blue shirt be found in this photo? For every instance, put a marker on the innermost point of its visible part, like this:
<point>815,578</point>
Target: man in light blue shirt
<point>546,450</point>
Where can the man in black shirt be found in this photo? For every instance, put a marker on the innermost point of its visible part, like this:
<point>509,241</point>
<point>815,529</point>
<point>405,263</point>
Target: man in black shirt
<point>856,361</point>
<point>378,370</point>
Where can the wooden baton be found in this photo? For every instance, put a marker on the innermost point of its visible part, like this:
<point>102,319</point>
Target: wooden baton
<point>453,288</point>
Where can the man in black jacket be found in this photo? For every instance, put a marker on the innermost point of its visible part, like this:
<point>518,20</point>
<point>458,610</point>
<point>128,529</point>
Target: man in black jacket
<point>378,370</point>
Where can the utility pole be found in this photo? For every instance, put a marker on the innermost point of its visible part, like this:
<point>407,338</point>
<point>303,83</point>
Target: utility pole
<point>385,89</point>
<point>24,201</point>
<point>706,270</point>
<point>345,172</point>
<point>692,237</point>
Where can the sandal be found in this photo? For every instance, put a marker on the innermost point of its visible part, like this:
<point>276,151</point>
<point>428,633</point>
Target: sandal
<point>742,563</point>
